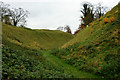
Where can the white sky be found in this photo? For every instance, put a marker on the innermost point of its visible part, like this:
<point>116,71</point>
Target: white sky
<point>50,14</point>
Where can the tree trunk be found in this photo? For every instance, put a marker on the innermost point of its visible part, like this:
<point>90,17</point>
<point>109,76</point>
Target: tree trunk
<point>15,23</point>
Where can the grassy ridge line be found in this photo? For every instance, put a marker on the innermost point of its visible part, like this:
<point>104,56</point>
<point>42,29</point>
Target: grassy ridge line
<point>34,39</point>
<point>96,30</point>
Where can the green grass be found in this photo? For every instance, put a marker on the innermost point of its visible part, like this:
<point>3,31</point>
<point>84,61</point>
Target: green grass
<point>34,39</point>
<point>28,64</point>
<point>68,69</point>
<point>95,49</point>
<point>92,53</point>
<point>97,29</point>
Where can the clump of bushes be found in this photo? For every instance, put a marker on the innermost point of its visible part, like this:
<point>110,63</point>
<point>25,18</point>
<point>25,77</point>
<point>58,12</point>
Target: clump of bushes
<point>105,20</point>
<point>90,24</point>
<point>111,19</point>
<point>108,20</point>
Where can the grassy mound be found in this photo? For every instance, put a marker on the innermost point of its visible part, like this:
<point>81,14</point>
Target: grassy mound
<point>33,39</point>
<point>22,53</point>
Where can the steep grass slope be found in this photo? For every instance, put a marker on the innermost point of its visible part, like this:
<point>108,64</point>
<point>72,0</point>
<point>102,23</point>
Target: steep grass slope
<point>20,61</point>
<point>96,49</point>
<point>22,54</point>
<point>34,39</point>
<point>98,29</point>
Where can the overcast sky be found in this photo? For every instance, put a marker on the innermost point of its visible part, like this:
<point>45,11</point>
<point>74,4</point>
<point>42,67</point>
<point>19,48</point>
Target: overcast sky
<point>50,14</point>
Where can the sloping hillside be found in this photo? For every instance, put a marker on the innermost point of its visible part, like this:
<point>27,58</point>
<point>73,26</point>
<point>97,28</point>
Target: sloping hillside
<point>34,39</point>
<point>23,57</point>
<point>20,61</point>
<point>92,53</point>
<point>98,29</point>
<point>96,49</point>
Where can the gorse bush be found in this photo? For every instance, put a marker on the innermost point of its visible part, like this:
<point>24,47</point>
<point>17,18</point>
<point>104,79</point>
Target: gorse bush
<point>90,24</point>
<point>105,20</point>
<point>108,20</point>
<point>112,19</point>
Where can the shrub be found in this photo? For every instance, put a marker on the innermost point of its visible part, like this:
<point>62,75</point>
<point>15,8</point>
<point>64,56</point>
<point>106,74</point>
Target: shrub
<point>112,19</point>
<point>112,68</point>
<point>105,20</point>
<point>90,24</point>
<point>108,20</point>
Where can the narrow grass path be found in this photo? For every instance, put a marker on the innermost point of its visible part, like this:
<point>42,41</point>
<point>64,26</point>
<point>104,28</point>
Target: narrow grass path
<point>67,68</point>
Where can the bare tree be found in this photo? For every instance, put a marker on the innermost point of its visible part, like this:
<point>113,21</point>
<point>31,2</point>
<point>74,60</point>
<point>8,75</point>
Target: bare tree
<point>67,29</point>
<point>60,28</point>
<point>91,12</point>
<point>18,16</point>
<point>100,10</point>
<point>6,19</point>
<point>3,10</point>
